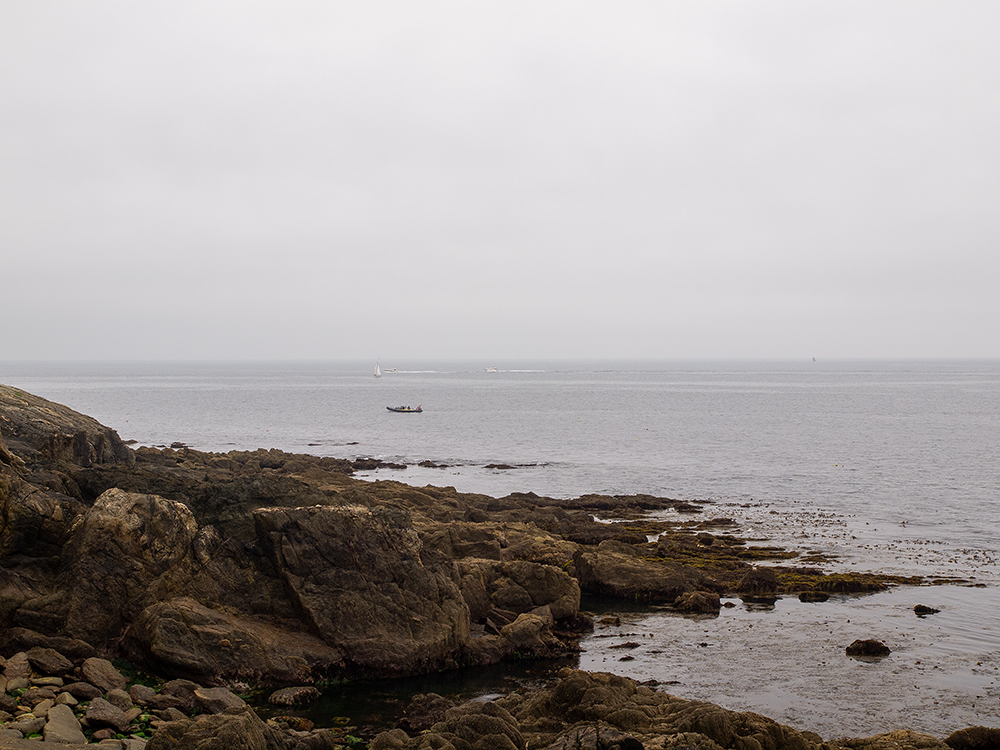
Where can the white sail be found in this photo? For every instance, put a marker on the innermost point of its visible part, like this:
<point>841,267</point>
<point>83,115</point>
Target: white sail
<point>378,371</point>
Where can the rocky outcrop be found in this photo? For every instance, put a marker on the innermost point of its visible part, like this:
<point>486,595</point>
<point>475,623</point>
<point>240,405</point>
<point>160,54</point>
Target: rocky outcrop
<point>39,428</point>
<point>267,567</point>
<point>595,711</point>
<point>583,709</point>
<point>355,575</point>
<point>122,545</point>
<point>620,570</point>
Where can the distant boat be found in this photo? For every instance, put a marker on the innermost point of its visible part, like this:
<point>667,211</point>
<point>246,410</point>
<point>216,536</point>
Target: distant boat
<point>405,409</point>
<point>492,369</point>
<point>392,369</point>
<point>378,371</point>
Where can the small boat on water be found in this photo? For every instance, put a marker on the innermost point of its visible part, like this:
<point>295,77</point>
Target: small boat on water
<point>492,369</point>
<point>405,409</point>
<point>378,371</point>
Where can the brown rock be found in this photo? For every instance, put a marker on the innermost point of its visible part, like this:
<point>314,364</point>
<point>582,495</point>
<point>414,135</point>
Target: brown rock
<point>100,713</point>
<point>35,428</point>
<point>699,601</point>
<point>120,699</point>
<point>870,648</point>
<point>17,666</point>
<point>124,543</point>
<point>974,738</point>
<point>102,673</point>
<point>357,575</point>
<point>181,637</point>
<point>423,712</point>
<point>617,569</point>
<point>758,582</point>
<point>62,726</point>
<point>236,728</point>
<point>83,691</point>
<point>217,700</point>
<point>141,694</point>
<point>48,661</point>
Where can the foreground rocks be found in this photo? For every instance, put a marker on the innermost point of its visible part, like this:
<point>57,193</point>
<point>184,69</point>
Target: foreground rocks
<point>44,695</point>
<point>215,571</point>
<point>593,711</point>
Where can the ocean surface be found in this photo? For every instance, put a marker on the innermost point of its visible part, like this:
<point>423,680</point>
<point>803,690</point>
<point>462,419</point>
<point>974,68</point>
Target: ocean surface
<point>885,465</point>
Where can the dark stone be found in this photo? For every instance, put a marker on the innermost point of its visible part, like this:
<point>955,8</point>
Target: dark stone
<point>83,691</point>
<point>48,661</point>
<point>35,429</point>
<point>758,582</point>
<point>183,691</point>
<point>296,723</point>
<point>17,639</point>
<point>101,713</point>
<point>119,699</point>
<point>102,673</point>
<point>869,648</point>
<point>922,610</point>
<point>217,700</point>
<point>813,596</point>
<point>34,695</point>
<point>141,694</point>
<point>705,602</point>
<point>974,738</point>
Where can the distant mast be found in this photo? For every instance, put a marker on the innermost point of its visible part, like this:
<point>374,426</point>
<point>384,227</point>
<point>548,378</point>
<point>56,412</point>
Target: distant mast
<point>378,370</point>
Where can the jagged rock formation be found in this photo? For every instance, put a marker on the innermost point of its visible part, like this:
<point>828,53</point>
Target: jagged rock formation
<point>283,569</point>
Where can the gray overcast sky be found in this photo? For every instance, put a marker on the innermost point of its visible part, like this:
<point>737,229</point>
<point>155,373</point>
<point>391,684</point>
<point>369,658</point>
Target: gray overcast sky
<point>499,180</point>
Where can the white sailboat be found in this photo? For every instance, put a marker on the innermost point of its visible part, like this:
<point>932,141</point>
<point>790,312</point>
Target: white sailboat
<point>378,371</point>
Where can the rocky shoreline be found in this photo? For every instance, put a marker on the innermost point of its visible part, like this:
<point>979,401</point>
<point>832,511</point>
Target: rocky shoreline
<point>215,574</point>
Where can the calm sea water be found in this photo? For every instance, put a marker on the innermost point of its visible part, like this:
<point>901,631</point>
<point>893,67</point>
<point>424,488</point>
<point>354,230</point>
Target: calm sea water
<point>889,465</point>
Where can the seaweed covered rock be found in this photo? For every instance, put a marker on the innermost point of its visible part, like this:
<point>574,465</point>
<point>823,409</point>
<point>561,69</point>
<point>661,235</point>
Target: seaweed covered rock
<point>619,570</point>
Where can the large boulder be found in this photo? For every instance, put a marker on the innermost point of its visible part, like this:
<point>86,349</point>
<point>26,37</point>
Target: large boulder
<point>182,638</point>
<point>356,576</point>
<point>63,727</point>
<point>124,543</point>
